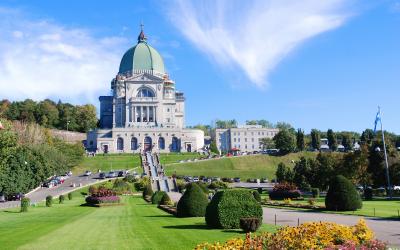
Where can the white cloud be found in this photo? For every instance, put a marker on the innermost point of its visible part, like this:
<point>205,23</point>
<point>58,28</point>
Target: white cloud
<point>41,59</point>
<point>254,35</point>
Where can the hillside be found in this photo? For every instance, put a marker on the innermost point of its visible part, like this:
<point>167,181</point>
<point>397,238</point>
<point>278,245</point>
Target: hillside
<point>253,166</point>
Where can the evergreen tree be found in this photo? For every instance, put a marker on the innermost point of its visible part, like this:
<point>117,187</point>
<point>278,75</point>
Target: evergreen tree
<point>285,141</point>
<point>332,142</point>
<point>315,139</point>
<point>300,140</point>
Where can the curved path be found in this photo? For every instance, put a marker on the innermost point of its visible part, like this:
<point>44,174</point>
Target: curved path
<point>385,230</point>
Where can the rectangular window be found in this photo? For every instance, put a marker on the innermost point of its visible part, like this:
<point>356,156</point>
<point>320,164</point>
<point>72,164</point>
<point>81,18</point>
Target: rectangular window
<point>238,139</point>
<point>245,133</point>
<point>234,139</point>
<point>252,139</point>
<point>245,139</point>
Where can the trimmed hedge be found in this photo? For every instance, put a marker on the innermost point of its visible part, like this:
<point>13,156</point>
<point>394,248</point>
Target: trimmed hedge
<point>157,196</point>
<point>256,195</point>
<point>342,195</point>
<point>49,201</point>
<point>227,207</point>
<point>69,196</point>
<point>281,195</point>
<point>61,199</point>
<point>148,190</point>
<point>165,200</point>
<point>25,203</point>
<point>250,224</point>
<point>193,202</point>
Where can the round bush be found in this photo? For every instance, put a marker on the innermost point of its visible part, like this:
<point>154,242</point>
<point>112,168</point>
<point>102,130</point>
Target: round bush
<point>69,196</point>
<point>342,195</point>
<point>229,206</point>
<point>165,200</point>
<point>157,196</point>
<point>203,187</point>
<point>250,224</point>
<point>49,201</point>
<point>25,203</point>
<point>147,191</point>
<point>257,195</point>
<point>193,202</point>
<point>61,199</point>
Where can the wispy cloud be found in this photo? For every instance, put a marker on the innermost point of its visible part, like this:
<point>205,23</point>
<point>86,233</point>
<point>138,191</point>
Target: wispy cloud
<point>255,35</point>
<point>41,59</point>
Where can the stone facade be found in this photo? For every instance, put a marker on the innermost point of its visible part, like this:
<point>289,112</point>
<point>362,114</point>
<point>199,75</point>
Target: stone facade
<point>245,138</point>
<point>145,111</point>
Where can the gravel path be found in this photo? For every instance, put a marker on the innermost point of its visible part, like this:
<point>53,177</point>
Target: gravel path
<point>386,230</point>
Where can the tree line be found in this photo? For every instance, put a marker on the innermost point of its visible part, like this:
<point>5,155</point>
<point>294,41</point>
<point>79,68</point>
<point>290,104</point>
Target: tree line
<point>47,113</point>
<point>29,155</point>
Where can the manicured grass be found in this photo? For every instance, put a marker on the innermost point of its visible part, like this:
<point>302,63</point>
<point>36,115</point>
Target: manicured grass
<point>252,166</point>
<point>383,208</point>
<point>124,161</point>
<point>137,225</point>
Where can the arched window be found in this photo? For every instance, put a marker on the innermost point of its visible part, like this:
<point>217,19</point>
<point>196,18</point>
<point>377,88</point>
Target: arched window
<point>134,144</point>
<point>145,92</point>
<point>147,143</point>
<point>120,144</point>
<point>161,143</point>
<point>175,146</point>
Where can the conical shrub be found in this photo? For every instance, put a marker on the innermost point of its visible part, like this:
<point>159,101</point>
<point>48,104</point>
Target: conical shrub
<point>342,195</point>
<point>193,202</point>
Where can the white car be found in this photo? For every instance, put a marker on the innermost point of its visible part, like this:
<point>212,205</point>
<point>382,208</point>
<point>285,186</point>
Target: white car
<point>396,188</point>
<point>87,173</point>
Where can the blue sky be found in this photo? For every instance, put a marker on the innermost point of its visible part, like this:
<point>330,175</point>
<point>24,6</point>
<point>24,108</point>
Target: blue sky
<point>318,64</point>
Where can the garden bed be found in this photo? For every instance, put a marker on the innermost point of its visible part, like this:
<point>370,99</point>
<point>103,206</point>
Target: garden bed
<point>168,209</point>
<point>294,205</point>
<point>103,205</point>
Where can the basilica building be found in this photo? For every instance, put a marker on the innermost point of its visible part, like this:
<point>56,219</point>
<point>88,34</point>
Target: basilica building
<point>145,111</point>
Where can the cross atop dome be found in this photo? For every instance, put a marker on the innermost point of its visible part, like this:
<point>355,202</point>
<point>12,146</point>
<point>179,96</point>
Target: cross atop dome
<point>142,37</point>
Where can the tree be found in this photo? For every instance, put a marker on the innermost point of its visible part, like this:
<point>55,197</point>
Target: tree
<point>267,143</point>
<point>367,136</point>
<point>315,139</point>
<point>302,173</point>
<point>355,167</point>
<point>86,117</point>
<point>342,195</point>
<point>263,123</point>
<point>300,140</point>
<point>285,141</point>
<point>226,124</point>
<point>332,143</point>
<point>283,173</point>
<point>214,148</point>
<point>346,141</point>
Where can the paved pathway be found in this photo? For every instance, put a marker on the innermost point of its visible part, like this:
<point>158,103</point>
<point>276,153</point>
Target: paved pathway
<point>41,193</point>
<point>386,230</point>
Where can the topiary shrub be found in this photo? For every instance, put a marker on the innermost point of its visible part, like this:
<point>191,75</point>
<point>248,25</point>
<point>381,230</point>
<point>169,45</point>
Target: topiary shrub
<point>157,196</point>
<point>193,202</point>
<point>203,187</point>
<point>218,185</point>
<point>256,195</point>
<point>147,191</point>
<point>165,200</point>
<point>25,203</point>
<point>122,187</point>
<point>61,199</point>
<point>69,196</point>
<point>315,192</point>
<point>250,224</point>
<point>368,194</point>
<point>229,206</point>
<point>260,190</point>
<point>342,195</point>
<point>49,201</point>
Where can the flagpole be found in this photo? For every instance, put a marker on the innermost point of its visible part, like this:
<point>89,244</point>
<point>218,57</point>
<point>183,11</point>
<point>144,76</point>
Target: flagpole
<point>386,159</point>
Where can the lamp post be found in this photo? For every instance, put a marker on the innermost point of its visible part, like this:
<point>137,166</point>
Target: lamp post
<point>68,124</point>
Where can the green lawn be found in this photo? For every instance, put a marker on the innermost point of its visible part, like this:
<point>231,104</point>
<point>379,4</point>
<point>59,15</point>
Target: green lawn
<point>383,208</point>
<point>125,161</point>
<point>137,225</point>
<point>252,166</point>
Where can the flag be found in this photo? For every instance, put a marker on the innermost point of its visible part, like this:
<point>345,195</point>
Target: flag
<point>377,118</point>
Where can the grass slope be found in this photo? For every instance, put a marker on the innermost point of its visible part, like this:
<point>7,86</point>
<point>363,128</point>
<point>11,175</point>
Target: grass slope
<point>124,161</point>
<point>252,166</point>
<point>137,225</point>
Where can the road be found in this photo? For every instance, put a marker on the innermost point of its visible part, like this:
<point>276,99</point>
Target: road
<point>385,230</point>
<point>41,193</point>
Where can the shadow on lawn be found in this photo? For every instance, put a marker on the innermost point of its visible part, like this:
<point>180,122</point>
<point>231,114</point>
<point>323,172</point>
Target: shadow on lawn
<point>160,216</point>
<point>12,212</point>
<point>192,226</point>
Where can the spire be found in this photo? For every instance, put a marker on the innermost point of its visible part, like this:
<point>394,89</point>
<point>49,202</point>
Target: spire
<point>142,37</point>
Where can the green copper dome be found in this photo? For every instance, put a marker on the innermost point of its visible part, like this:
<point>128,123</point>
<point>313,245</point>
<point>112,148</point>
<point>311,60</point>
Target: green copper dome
<point>142,57</point>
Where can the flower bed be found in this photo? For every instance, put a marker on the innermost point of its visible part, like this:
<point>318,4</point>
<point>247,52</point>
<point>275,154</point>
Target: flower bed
<point>102,199</point>
<point>295,205</point>
<point>101,196</point>
<point>311,235</point>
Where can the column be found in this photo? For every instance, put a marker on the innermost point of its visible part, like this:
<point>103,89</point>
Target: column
<point>133,113</point>
<point>114,117</point>
<point>148,113</point>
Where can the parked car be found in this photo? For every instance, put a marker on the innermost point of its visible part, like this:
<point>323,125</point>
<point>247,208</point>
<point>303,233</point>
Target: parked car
<point>396,188</point>
<point>121,173</point>
<point>87,173</point>
<point>111,174</point>
<point>195,178</point>
<point>69,173</point>
<point>264,180</point>
<point>15,197</point>
<point>236,179</point>
<point>102,175</point>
